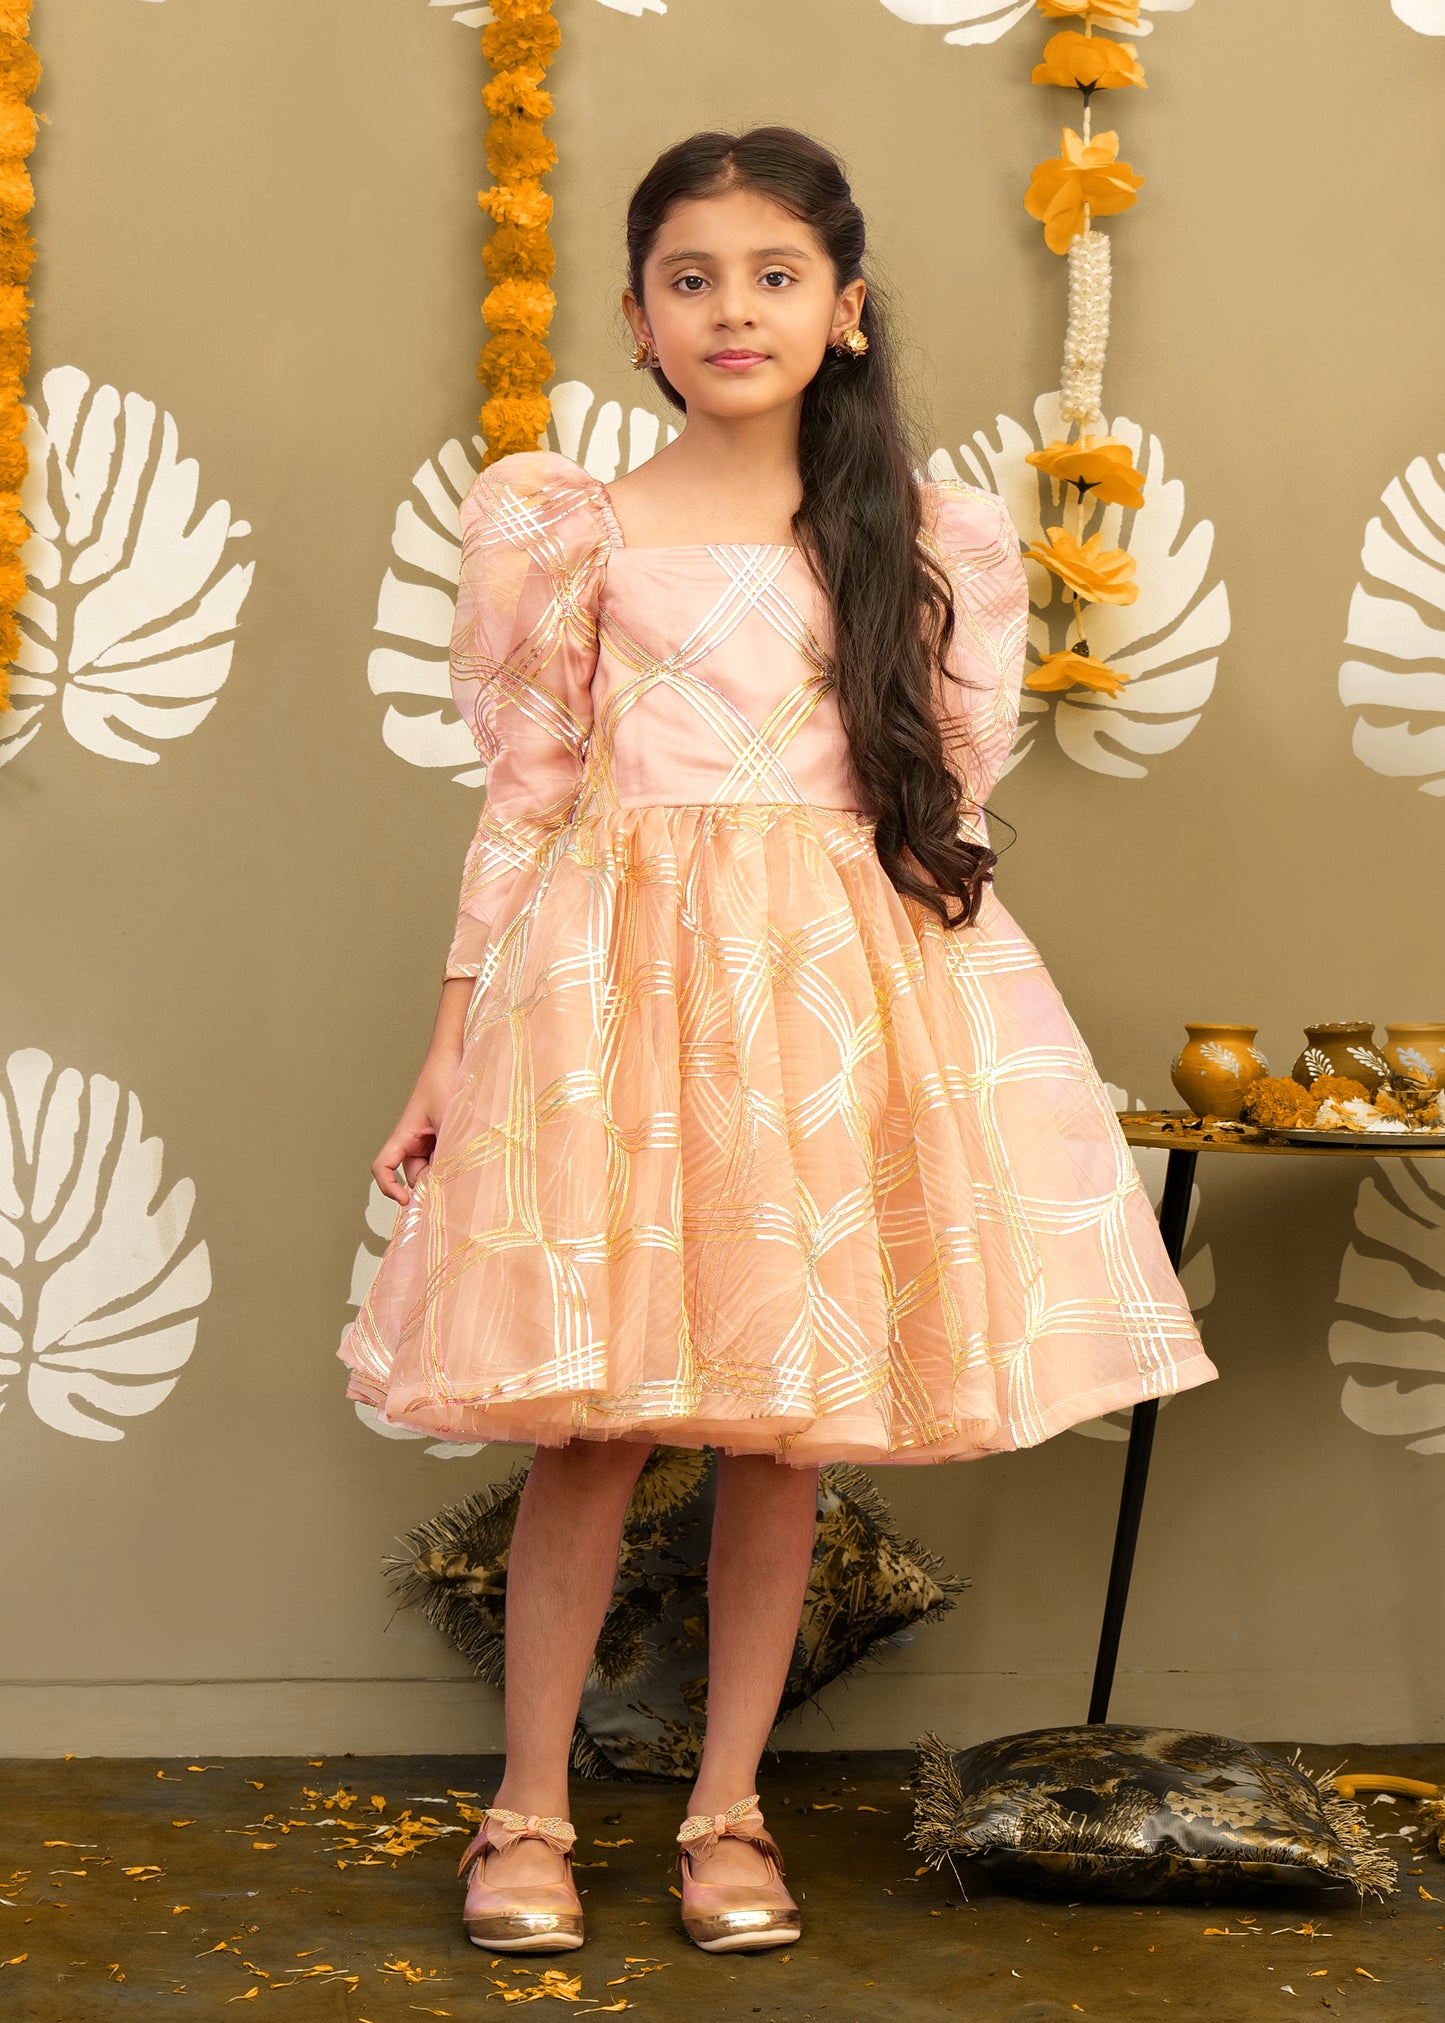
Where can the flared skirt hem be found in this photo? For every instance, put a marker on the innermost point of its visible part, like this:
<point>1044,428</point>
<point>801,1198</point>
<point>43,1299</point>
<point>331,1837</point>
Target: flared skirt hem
<point>553,1421</point>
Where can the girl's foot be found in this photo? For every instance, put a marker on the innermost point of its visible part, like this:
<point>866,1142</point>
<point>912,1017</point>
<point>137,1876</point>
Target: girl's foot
<point>519,1901</point>
<point>525,1861</point>
<point>733,1895</point>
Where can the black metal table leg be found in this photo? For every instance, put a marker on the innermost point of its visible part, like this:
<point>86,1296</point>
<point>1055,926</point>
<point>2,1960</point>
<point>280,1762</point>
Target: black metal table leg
<point>1173,1217</point>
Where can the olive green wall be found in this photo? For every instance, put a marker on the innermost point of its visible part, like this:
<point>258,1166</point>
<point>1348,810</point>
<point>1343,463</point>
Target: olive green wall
<point>235,802</point>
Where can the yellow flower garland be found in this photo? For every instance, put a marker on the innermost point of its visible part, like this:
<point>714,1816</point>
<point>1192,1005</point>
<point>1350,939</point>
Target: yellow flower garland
<point>19,75</point>
<point>515,365</point>
<point>1083,181</point>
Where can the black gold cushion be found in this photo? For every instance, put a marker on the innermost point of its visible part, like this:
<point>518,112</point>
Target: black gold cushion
<point>643,1708</point>
<point>1131,1812</point>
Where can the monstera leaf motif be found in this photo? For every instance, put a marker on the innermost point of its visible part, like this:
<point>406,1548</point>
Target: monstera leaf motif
<point>1397,617</point>
<point>987,20</point>
<point>419,591</point>
<point>1166,642</point>
<point>98,1294</point>
<point>131,611</point>
<point>477,17</point>
<point>1426,15</point>
<point>1392,1288</point>
<point>1196,1271</point>
<point>381,1214</point>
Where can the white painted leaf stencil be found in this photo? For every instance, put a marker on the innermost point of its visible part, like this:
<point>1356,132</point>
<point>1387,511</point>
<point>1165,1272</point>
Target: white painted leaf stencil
<point>131,612</point>
<point>988,20</point>
<point>98,1296</point>
<point>1392,1287</point>
<point>1427,16</point>
<point>1166,642</point>
<point>1397,619</point>
<point>478,17</point>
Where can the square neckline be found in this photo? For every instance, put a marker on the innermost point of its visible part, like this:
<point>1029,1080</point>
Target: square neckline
<point>626,547</point>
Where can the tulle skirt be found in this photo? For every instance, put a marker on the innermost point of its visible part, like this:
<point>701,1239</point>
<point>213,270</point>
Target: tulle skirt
<point>747,1150</point>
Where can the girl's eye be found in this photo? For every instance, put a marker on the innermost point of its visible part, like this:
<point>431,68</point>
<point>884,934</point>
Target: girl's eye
<point>773,274</point>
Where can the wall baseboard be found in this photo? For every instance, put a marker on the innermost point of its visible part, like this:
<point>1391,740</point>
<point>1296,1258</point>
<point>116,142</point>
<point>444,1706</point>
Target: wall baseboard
<point>877,1709</point>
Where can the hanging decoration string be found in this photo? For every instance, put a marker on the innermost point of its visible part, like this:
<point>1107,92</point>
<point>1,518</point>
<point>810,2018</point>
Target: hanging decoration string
<point>1085,181</point>
<point>19,75</point>
<point>515,365</point>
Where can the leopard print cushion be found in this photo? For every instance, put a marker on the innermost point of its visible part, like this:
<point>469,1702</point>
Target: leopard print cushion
<point>1113,1810</point>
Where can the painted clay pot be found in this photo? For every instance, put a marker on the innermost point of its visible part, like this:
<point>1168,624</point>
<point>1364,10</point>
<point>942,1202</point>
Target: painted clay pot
<point>1417,1050</point>
<point>1215,1066</point>
<point>1342,1047</point>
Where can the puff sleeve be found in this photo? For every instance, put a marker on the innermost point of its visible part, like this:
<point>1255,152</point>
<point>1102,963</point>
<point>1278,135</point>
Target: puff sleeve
<point>978,545</point>
<point>523,654</point>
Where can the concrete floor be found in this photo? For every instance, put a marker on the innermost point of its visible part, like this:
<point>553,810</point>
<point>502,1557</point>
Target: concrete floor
<point>149,1888</point>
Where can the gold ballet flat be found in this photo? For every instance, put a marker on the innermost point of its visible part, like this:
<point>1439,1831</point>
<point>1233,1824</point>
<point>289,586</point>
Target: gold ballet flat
<point>521,1917</point>
<point>735,1917</point>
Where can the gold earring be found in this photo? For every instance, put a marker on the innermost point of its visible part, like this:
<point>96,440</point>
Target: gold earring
<point>643,354</point>
<point>852,344</point>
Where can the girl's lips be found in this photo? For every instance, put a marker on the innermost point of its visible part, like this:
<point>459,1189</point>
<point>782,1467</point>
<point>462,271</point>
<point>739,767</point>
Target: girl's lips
<point>737,358</point>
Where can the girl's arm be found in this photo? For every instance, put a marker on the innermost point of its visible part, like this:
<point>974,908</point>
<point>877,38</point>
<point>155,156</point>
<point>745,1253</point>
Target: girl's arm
<point>980,549</point>
<point>523,653</point>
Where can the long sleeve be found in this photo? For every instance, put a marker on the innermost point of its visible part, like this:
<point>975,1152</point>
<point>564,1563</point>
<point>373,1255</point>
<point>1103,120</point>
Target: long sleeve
<point>979,547</point>
<point>523,654</point>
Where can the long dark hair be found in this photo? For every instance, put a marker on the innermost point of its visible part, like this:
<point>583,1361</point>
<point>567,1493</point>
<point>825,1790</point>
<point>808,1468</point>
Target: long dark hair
<point>859,521</point>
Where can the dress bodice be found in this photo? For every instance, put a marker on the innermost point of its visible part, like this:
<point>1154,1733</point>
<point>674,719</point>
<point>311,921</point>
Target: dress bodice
<point>595,676</point>
<point>712,681</point>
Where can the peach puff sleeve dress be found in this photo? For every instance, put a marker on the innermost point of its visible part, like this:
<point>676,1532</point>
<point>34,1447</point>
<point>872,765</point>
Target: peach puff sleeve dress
<point>745,1149</point>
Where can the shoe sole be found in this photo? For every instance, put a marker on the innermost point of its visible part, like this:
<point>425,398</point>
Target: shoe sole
<point>556,1942</point>
<point>749,1942</point>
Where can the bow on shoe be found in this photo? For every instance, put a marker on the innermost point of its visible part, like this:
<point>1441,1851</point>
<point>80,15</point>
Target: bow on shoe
<point>500,1827</point>
<point>701,1831</point>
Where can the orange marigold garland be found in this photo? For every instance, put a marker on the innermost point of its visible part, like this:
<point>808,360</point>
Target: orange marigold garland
<point>515,365</point>
<point>19,75</point>
<point>1084,181</point>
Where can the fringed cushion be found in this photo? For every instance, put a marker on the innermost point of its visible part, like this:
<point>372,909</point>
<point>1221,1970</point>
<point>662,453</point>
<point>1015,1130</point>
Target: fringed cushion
<point>1119,1811</point>
<point>643,1708</point>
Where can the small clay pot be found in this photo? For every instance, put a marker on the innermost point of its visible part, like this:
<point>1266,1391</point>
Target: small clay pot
<point>1215,1066</point>
<point>1342,1047</point>
<point>1416,1050</point>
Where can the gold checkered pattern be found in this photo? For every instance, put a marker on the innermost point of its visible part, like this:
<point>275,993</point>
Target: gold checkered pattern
<point>745,1149</point>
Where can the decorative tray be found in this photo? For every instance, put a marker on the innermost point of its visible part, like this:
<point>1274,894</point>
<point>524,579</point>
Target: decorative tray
<point>1302,1135</point>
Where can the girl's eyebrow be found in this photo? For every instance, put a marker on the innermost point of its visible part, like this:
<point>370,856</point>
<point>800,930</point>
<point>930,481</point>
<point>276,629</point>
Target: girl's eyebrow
<point>758,253</point>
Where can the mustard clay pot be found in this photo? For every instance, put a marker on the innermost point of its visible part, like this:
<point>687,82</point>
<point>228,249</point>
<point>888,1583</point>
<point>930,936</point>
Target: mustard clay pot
<point>1215,1066</point>
<point>1416,1050</point>
<point>1342,1047</point>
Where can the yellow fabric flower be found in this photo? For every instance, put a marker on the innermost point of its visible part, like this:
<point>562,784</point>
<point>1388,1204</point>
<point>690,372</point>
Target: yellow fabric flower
<point>1090,61</point>
<point>523,203</point>
<point>519,305</point>
<point>1096,464</point>
<point>1103,575</point>
<point>521,92</point>
<point>1082,173</point>
<point>1074,670</point>
<point>1118,13</point>
<point>513,422</point>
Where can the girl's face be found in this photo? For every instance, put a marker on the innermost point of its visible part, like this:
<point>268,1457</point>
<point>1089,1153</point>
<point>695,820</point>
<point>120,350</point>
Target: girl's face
<point>740,303</point>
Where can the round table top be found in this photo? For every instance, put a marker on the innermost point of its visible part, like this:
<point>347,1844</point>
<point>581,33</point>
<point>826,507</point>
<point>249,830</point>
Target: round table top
<point>1179,1131</point>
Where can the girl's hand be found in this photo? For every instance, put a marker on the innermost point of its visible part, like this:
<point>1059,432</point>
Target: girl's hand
<point>411,1143</point>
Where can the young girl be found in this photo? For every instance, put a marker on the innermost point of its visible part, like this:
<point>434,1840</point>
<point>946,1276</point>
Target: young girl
<point>750,1118</point>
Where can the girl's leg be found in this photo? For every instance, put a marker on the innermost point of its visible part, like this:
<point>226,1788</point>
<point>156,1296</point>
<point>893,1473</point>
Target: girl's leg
<point>757,1577</point>
<point>560,1575</point>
